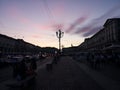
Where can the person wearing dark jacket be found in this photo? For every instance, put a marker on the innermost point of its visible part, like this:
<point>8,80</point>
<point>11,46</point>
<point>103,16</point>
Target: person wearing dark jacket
<point>33,64</point>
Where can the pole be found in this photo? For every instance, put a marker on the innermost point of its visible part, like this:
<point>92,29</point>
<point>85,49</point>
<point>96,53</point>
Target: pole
<point>59,35</point>
<point>59,44</point>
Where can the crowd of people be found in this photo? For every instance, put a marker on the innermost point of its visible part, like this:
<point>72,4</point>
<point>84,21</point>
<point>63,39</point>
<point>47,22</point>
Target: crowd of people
<point>97,60</point>
<point>24,68</point>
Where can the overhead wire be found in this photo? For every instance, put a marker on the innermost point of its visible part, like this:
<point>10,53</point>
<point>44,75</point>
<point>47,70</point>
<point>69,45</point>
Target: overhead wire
<point>50,15</point>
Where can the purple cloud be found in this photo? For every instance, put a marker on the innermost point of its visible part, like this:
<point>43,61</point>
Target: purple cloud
<point>92,31</point>
<point>77,22</point>
<point>94,26</point>
<point>83,30</point>
<point>109,13</point>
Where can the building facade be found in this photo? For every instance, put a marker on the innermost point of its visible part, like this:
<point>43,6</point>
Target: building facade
<point>106,39</point>
<point>10,46</point>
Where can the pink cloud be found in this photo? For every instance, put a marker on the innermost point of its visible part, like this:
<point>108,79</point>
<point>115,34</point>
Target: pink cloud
<point>40,26</point>
<point>24,20</point>
<point>36,36</point>
<point>15,13</point>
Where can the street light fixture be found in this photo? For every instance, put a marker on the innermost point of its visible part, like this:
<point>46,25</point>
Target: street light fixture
<point>59,35</point>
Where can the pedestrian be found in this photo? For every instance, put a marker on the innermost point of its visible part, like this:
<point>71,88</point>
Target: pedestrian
<point>55,59</point>
<point>15,69</point>
<point>31,67</point>
<point>22,70</point>
<point>33,64</point>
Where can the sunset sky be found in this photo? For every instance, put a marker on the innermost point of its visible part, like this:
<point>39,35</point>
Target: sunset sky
<point>36,21</point>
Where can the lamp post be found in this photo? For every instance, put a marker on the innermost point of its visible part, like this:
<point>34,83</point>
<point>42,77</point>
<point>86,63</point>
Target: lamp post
<point>59,35</point>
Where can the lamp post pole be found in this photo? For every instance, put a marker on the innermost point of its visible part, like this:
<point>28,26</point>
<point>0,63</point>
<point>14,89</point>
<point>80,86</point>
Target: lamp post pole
<point>59,35</point>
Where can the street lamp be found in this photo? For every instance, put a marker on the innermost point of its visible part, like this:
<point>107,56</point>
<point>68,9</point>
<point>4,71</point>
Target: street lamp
<point>59,35</point>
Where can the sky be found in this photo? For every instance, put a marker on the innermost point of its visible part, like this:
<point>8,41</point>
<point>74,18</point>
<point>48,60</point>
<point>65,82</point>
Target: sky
<point>37,21</point>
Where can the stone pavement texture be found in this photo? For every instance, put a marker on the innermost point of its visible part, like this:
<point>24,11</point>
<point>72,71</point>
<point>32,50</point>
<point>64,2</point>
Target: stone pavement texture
<point>106,82</point>
<point>6,74</point>
<point>68,74</point>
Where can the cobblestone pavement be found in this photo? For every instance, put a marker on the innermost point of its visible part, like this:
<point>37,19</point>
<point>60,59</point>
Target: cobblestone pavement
<point>69,74</point>
<point>6,73</point>
<point>65,75</point>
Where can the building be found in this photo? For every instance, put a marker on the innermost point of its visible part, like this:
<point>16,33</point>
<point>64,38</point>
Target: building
<point>10,46</point>
<point>7,44</point>
<point>106,39</point>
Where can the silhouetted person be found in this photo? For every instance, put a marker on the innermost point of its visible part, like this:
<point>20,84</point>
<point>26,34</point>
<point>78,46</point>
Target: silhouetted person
<point>15,69</point>
<point>19,70</point>
<point>22,69</point>
<point>55,59</point>
<point>33,64</point>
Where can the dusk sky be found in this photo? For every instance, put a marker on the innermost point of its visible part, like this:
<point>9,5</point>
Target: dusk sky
<point>36,21</point>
